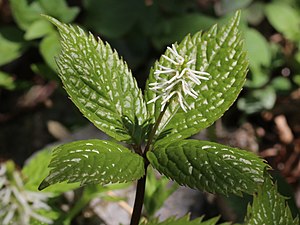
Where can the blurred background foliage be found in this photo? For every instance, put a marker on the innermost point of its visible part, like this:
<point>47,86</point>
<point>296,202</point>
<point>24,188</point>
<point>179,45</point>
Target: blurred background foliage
<point>140,31</point>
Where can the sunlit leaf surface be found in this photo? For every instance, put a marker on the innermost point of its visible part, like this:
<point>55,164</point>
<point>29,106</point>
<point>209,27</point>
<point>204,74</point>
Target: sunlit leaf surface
<point>269,207</point>
<point>208,166</point>
<point>98,81</point>
<point>93,161</point>
<point>218,52</point>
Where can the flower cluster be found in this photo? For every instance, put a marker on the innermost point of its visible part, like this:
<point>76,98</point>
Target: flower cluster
<point>177,80</point>
<point>17,205</point>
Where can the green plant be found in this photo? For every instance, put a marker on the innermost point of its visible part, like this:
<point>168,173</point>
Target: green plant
<point>19,205</point>
<point>33,31</point>
<point>22,203</point>
<point>188,89</point>
<point>272,42</point>
<point>158,187</point>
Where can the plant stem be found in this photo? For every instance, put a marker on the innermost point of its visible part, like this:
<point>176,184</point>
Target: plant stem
<point>139,198</point>
<point>140,188</point>
<point>153,131</point>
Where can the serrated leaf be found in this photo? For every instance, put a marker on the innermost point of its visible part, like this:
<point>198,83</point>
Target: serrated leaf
<point>93,161</point>
<point>185,220</point>
<point>218,52</point>
<point>269,207</point>
<point>209,166</point>
<point>37,167</point>
<point>138,132</point>
<point>98,81</point>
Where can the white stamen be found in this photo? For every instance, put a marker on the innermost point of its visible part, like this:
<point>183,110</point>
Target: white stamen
<point>191,62</point>
<point>165,68</point>
<point>176,81</point>
<point>174,52</point>
<point>170,60</point>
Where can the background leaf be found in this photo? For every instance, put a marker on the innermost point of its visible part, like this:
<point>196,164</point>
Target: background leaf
<point>285,19</point>
<point>226,6</point>
<point>38,29</point>
<point>93,161</point>
<point>219,53</point>
<point>34,171</point>
<point>6,81</point>
<point>209,166</point>
<point>269,207</point>
<point>11,44</point>
<point>257,48</point>
<point>60,10</point>
<point>161,188</point>
<point>112,18</point>
<point>175,29</point>
<point>98,81</point>
<point>258,100</point>
<point>183,221</point>
<point>49,48</point>
<point>24,13</point>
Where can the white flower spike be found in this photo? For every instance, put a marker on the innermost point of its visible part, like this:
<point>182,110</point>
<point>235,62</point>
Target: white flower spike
<point>179,79</point>
<point>19,205</point>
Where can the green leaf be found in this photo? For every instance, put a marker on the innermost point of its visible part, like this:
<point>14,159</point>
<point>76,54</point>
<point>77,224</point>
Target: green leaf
<point>38,29</point>
<point>259,53</point>
<point>93,161</point>
<point>269,207</point>
<point>138,132</point>
<point>11,46</point>
<point>49,48</point>
<point>258,48</point>
<point>45,71</point>
<point>158,187</point>
<point>209,166</point>
<point>218,52</point>
<point>112,18</point>
<point>284,18</point>
<point>224,7</point>
<point>37,167</point>
<point>26,14</point>
<point>281,84</point>
<point>259,77</point>
<point>98,81</point>
<point>175,29</point>
<point>296,79</point>
<point>6,81</point>
<point>23,13</point>
<point>258,100</point>
<point>185,220</point>
<point>297,54</point>
<point>255,13</point>
<point>59,9</point>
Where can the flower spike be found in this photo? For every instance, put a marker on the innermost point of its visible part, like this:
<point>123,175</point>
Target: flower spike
<point>177,80</point>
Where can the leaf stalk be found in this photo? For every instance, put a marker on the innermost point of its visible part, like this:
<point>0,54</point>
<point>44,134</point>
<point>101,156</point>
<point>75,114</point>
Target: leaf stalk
<point>153,131</point>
